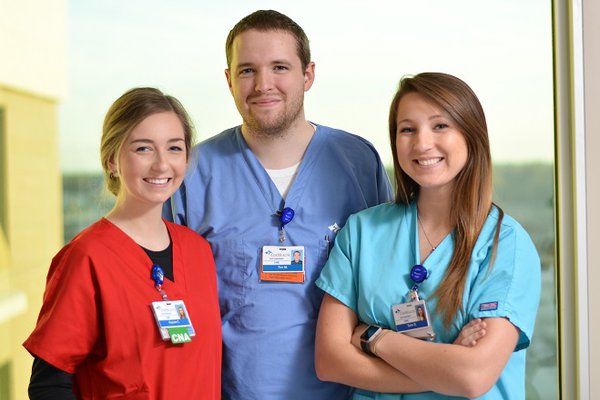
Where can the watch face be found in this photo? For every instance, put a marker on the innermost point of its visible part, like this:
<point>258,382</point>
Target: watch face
<point>368,334</point>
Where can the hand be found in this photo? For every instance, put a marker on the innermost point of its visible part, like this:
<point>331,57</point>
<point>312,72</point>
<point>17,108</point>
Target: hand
<point>359,330</point>
<point>471,333</point>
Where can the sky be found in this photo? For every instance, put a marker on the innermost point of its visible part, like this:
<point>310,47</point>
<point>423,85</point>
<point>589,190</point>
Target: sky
<point>501,48</point>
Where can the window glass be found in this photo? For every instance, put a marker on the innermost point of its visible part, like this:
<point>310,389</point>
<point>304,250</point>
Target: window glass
<point>501,48</point>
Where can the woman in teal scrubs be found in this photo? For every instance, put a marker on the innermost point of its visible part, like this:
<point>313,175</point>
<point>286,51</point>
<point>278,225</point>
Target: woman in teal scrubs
<point>442,246</point>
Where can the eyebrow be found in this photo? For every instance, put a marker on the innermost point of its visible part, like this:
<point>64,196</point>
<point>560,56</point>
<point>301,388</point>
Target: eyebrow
<point>250,64</point>
<point>151,141</point>
<point>430,118</point>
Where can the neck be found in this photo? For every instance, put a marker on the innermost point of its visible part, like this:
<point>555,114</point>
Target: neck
<point>281,150</point>
<point>433,221</point>
<point>434,205</point>
<point>142,223</point>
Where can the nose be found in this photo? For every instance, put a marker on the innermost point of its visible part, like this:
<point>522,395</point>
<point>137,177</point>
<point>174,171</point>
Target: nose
<point>263,82</point>
<point>424,140</point>
<point>160,161</point>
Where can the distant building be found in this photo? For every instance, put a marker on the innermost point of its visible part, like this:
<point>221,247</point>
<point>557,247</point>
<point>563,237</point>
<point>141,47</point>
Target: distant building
<point>32,81</point>
<point>85,200</point>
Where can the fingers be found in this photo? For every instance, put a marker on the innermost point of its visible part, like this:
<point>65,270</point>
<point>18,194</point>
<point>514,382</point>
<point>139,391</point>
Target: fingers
<point>471,333</point>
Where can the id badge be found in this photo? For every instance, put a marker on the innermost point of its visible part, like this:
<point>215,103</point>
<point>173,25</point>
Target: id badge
<point>173,321</point>
<point>412,319</point>
<point>283,264</point>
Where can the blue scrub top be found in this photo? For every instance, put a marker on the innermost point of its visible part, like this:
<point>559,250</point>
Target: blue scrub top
<point>368,271</point>
<point>228,197</point>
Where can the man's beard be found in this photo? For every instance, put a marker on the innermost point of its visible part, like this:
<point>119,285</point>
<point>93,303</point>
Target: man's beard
<point>277,126</point>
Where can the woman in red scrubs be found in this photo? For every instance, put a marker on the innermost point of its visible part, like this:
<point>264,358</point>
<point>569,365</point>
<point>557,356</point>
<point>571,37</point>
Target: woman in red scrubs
<point>110,323</point>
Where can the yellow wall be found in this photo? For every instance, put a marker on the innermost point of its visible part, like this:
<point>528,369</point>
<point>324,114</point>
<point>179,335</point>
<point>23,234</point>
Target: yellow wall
<point>33,46</point>
<point>33,77</point>
<point>33,190</point>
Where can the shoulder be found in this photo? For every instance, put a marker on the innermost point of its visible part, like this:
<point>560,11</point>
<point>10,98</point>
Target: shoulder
<point>84,251</point>
<point>227,136</point>
<point>213,151</point>
<point>378,216</point>
<point>345,140</point>
<point>508,226</point>
<point>93,238</point>
<point>512,236</point>
<point>214,146</point>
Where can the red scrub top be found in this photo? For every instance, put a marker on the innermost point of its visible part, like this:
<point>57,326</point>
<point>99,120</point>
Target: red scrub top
<point>96,321</point>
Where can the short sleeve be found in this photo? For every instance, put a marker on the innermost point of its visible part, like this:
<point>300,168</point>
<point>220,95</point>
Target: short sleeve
<point>338,277</point>
<point>68,325</point>
<point>510,288</point>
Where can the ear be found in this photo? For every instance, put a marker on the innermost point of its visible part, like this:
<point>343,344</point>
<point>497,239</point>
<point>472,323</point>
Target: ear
<point>112,165</point>
<point>228,77</point>
<point>309,76</point>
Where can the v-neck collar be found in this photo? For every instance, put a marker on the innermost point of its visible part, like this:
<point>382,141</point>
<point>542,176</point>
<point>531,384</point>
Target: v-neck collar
<point>143,264</point>
<point>273,199</point>
<point>434,256</point>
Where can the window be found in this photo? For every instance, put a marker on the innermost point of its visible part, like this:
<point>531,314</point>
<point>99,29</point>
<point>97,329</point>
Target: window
<point>510,69</point>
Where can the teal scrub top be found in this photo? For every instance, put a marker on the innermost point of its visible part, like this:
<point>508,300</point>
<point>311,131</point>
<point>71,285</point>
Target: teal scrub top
<point>368,270</point>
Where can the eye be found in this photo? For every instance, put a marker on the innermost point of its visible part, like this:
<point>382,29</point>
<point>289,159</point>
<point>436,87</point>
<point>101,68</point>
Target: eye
<point>406,130</point>
<point>143,149</point>
<point>280,68</point>
<point>176,149</point>
<point>440,126</point>
<point>246,72</point>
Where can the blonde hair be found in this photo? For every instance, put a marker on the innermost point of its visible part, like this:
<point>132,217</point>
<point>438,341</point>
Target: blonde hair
<point>472,196</point>
<point>125,114</point>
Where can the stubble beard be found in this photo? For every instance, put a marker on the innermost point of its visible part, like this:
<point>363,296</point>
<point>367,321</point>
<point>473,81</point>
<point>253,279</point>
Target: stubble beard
<point>275,127</point>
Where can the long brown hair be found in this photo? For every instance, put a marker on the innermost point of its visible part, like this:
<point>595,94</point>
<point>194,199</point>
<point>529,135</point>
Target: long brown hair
<point>472,196</point>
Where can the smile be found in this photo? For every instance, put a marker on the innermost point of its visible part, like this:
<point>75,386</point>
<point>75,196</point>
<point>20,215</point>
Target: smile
<point>157,181</point>
<point>265,101</point>
<point>428,162</point>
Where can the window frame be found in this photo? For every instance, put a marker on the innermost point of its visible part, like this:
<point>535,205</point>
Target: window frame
<point>571,202</point>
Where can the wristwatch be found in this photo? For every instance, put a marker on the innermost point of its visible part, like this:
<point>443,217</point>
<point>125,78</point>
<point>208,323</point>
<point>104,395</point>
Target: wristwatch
<point>368,337</point>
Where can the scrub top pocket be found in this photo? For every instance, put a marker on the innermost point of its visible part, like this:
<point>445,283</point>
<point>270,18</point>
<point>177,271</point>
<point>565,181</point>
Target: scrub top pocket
<point>234,271</point>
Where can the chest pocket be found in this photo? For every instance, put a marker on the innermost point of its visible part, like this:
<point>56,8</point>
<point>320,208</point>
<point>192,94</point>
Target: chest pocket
<point>234,271</point>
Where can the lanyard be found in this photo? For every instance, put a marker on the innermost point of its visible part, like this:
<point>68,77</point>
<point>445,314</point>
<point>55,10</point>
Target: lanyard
<point>158,276</point>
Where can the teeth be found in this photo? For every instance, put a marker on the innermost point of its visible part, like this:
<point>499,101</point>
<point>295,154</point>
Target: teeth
<point>430,161</point>
<point>157,181</point>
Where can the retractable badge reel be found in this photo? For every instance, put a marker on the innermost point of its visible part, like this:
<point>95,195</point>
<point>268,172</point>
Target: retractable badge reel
<point>285,216</point>
<point>418,274</point>
<point>158,276</point>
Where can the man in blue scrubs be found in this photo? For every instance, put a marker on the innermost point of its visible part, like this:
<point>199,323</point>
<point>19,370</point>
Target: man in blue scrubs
<point>263,190</point>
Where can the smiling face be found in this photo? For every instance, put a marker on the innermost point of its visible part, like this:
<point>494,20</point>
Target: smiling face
<point>267,81</point>
<point>430,148</point>
<point>152,160</point>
